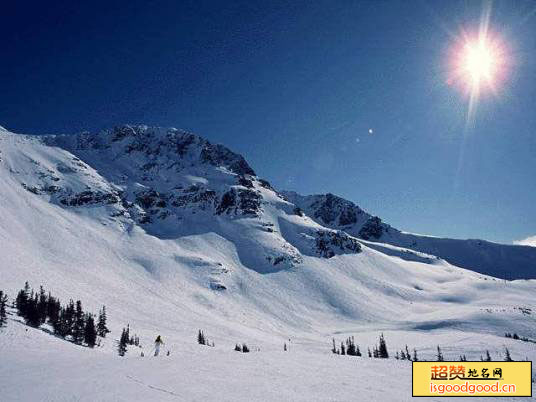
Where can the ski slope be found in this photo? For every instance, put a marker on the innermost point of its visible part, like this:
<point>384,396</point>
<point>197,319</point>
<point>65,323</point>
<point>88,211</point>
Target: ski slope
<point>156,235</point>
<point>60,371</point>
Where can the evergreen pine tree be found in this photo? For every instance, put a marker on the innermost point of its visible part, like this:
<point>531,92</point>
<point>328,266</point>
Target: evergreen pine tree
<point>369,353</point>
<point>439,354</point>
<point>352,349</point>
<point>245,348</point>
<point>63,326</point>
<point>408,356</point>
<point>3,313</point>
<point>349,348</point>
<point>334,348</point>
<point>53,310</point>
<point>415,358</point>
<point>285,347</point>
<point>201,338</point>
<point>90,332</point>
<point>382,349</point>
<point>57,325</point>
<point>402,355</point>
<point>507,357</point>
<point>102,329</point>
<point>69,314</point>
<point>343,349</point>
<point>396,356</point>
<point>238,348</point>
<point>78,324</point>
<point>42,305</point>
<point>488,357</point>
<point>22,300</point>
<point>32,316</point>
<point>122,347</point>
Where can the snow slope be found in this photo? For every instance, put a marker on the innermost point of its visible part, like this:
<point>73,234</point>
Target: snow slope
<point>499,260</point>
<point>174,234</point>
<point>194,373</point>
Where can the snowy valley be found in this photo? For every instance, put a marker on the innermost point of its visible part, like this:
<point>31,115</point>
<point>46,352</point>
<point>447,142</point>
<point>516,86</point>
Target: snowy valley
<point>174,234</point>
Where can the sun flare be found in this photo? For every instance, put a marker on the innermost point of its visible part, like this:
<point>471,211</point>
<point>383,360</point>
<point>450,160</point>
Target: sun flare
<point>480,62</point>
<point>478,65</point>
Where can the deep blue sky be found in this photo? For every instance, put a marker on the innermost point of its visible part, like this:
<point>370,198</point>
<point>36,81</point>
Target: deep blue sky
<point>295,87</point>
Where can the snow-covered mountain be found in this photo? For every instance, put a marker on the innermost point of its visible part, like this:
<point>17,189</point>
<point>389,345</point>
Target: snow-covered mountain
<point>171,184</point>
<point>173,233</point>
<point>499,260</point>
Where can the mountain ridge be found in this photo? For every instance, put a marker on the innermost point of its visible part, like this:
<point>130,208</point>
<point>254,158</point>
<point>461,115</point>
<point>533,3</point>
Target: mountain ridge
<point>156,177</point>
<point>501,260</point>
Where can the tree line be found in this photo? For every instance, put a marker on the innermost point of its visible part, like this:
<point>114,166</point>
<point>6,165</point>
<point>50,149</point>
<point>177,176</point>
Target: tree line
<point>350,348</point>
<point>68,321</point>
<point>379,351</point>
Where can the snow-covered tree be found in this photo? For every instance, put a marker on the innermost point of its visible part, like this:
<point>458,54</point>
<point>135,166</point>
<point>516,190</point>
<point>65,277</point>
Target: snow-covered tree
<point>382,348</point>
<point>31,314</point>
<point>53,310</point>
<point>201,338</point>
<point>439,356</point>
<point>3,304</point>
<point>42,305</point>
<point>90,332</point>
<point>78,324</point>
<point>122,346</point>
<point>102,329</point>
<point>21,301</point>
<point>507,357</point>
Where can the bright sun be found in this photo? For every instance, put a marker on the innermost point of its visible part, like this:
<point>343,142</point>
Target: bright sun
<point>480,62</point>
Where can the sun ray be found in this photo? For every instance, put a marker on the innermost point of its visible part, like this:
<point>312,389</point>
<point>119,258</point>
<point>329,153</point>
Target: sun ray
<point>478,62</point>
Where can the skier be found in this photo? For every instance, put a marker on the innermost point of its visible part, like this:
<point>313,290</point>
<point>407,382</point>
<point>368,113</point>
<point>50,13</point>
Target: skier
<point>157,344</point>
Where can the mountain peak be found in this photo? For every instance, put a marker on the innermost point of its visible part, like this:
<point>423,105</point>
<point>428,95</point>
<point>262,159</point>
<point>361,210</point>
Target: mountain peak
<point>158,144</point>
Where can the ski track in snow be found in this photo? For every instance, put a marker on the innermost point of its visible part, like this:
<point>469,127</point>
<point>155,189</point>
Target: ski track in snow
<point>152,386</point>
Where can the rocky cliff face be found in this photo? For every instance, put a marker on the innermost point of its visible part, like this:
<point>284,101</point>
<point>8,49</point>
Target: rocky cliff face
<point>505,261</point>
